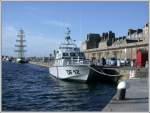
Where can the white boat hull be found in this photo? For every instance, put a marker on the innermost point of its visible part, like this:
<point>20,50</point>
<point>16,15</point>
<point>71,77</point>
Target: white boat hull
<point>77,72</point>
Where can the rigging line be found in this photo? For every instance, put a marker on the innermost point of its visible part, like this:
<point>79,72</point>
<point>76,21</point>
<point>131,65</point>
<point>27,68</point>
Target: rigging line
<point>101,72</point>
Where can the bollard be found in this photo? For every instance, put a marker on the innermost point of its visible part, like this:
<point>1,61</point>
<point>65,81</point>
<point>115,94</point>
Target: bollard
<point>118,63</point>
<point>121,90</point>
<point>132,74</point>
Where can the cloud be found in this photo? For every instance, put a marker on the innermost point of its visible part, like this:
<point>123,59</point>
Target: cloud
<point>57,23</point>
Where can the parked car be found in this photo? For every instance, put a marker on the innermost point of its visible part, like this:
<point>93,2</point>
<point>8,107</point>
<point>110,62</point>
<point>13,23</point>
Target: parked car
<point>112,61</point>
<point>128,62</point>
<point>124,62</point>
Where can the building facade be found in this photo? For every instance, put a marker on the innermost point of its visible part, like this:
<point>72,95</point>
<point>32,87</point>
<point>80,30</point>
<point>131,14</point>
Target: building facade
<point>121,48</point>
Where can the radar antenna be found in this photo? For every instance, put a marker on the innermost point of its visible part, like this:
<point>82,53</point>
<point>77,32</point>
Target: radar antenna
<point>68,34</point>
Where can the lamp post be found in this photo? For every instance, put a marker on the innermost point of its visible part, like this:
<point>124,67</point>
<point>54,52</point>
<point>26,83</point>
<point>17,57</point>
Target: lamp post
<point>125,50</point>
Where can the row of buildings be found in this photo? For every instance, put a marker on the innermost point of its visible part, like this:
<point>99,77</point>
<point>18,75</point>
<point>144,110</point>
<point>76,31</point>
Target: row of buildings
<point>106,46</point>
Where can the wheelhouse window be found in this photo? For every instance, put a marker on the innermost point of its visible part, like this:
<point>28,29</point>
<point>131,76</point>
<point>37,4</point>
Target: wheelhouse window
<point>72,54</point>
<point>76,49</point>
<point>65,54</point>
<point>81,54</point>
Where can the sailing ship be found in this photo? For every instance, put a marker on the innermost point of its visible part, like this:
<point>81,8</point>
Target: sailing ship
<point>20,46</point>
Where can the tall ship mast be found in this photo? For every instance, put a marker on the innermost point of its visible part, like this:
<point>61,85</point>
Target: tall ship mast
<point>20,47</point>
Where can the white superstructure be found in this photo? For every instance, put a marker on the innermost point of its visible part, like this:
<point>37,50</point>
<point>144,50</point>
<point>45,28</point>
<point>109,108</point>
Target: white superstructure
<point>70,62</point>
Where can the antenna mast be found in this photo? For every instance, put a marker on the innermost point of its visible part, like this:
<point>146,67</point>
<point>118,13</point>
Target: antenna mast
<point>68,34</point>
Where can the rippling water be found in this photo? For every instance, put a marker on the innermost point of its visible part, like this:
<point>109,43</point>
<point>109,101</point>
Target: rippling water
<point>27,87</point>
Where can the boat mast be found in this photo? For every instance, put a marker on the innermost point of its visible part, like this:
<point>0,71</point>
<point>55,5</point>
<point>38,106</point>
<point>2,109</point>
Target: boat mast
<point>21,45</point>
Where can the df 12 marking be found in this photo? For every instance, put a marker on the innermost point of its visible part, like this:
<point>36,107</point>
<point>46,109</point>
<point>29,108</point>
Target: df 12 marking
<point>70,72</point>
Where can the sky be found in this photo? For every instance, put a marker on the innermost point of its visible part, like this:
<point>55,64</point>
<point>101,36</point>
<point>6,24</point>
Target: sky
<point>45,23</point>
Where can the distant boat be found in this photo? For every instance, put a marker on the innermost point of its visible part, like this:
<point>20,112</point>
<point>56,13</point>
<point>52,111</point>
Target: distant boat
<point>20,46</point>
<point>7,59</point>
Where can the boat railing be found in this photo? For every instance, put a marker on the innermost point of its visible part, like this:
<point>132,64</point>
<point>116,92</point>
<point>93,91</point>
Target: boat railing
<point>80,61</point>
<point>76,62</point>
<point>66,62</point>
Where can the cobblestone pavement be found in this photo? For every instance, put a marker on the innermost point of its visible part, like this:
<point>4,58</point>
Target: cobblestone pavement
<point>136,97</point>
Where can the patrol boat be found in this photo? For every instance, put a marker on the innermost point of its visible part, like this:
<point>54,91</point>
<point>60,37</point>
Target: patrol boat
<point>69,62</point>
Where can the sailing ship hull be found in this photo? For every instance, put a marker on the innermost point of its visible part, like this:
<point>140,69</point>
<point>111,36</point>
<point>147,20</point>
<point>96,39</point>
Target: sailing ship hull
<point>75,73</point>
<point>21,61</point>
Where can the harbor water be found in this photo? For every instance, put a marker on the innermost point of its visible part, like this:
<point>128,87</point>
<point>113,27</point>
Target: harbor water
<point>27,87</point>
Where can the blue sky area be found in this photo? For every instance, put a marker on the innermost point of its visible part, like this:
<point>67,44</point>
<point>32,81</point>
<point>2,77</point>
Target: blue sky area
<point>45,23</point>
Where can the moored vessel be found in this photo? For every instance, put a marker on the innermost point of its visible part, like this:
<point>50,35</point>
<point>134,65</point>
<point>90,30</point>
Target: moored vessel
<point>70,64</point>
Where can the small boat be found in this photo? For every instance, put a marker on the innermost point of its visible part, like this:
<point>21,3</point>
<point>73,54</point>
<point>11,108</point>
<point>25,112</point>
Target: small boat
<point>70,63</point>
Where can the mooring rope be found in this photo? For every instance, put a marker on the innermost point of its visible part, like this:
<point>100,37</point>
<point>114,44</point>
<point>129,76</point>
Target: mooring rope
<point>101,72</point>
